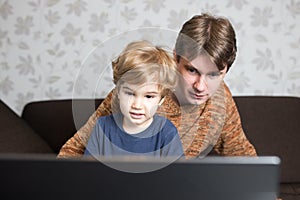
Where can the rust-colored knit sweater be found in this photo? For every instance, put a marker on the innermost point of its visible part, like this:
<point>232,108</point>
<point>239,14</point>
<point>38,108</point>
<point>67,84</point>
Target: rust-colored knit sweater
<point>215,124</point>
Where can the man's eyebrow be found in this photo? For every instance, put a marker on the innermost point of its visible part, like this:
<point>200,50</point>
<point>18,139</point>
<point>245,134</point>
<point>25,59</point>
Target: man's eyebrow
<point>127,88</point>
<point>189,65</point>
<point>194,68</point>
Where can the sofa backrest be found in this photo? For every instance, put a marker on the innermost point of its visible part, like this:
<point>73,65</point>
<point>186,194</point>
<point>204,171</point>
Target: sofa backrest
<point>272,124</point>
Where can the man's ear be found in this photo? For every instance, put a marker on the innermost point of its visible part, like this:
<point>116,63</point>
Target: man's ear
<point>117,93</point>
<point>174,53</point>
<point>224,71</point>
<point>161,101</point>
<point>175,56</point>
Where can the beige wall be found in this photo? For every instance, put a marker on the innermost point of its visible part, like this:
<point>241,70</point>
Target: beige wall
<point>48,46</point>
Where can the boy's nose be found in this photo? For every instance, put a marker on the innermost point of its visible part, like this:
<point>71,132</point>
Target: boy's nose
<point>137,103</point>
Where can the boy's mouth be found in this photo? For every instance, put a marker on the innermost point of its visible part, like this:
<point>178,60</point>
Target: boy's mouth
<point>135,115</point>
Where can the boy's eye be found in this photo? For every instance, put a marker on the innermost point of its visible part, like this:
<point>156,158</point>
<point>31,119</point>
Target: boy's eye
<point>149,96</point>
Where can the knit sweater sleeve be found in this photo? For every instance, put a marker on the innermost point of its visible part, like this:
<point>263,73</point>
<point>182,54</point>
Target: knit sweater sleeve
<point>233,140</point>
<point>75,146</point>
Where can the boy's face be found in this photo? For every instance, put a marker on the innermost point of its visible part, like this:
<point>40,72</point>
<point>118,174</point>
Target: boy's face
<point>200,79</point>
<point>138,103</point>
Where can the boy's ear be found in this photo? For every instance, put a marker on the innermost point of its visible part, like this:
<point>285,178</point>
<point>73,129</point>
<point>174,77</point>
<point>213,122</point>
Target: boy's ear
<point>161,101</point>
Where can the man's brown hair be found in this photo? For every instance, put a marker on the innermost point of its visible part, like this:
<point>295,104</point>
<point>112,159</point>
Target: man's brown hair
<point>207,34</point>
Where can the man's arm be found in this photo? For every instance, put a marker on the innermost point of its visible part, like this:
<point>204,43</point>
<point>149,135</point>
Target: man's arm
<point>75,146</point>
<point>233,141</point>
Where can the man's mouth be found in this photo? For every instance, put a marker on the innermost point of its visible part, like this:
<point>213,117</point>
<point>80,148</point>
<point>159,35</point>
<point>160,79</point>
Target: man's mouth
<point>197,96</point>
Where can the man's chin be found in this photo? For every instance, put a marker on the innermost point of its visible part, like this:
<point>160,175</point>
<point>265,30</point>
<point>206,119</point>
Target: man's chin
<point>189,99</point>
<point>191,102</point>
<point>197,101</point>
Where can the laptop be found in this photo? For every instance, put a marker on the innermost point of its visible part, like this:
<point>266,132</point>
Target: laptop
<point>209,178</point>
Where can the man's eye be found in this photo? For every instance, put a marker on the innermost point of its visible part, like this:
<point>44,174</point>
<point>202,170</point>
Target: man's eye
<point>129,93</point>
<point>214,75</point>
<point>191,70</point>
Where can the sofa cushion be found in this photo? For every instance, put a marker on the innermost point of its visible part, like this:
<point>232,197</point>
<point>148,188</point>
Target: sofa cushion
<point>16,136</point>
<point>290,191</point>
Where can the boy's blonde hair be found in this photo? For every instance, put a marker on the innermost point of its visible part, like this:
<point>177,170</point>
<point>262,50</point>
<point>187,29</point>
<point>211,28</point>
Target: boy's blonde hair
<point>142,62</point>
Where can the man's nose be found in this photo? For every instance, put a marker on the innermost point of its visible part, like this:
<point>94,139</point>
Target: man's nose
<point>200,83</point>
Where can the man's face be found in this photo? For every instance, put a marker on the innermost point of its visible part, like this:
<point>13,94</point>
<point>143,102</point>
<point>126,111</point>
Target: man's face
<point>199,80</point>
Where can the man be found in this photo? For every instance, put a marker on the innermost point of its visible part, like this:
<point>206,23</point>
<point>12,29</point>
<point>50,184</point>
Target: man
<point>201,107</point>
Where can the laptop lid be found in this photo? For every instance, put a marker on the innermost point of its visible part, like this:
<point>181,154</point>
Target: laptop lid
<point>210,178</point>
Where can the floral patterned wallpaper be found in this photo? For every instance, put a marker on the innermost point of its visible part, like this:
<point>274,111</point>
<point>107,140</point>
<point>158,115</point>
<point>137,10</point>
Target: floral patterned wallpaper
<point>56,49</point>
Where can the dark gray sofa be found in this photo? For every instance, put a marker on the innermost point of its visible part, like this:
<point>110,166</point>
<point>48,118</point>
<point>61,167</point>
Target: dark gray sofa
<point>270,123</point>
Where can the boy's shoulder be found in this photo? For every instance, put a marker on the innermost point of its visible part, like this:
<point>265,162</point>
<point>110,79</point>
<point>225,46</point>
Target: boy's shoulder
<point>105,119</point>
<point>167,124</point>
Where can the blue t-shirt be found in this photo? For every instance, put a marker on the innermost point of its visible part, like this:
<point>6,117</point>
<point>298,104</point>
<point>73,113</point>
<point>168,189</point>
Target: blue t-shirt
<point>108,138</point>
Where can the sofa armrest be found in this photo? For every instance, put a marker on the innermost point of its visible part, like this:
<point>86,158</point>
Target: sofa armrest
<point>17,137</point>
<point>58,120</point>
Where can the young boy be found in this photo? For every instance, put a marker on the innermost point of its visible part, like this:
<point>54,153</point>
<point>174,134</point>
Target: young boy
<point>143,75</point>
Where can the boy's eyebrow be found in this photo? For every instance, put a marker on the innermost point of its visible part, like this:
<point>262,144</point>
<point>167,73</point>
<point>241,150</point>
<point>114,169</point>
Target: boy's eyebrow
<point>152,92</point>
<point>148,92</point>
